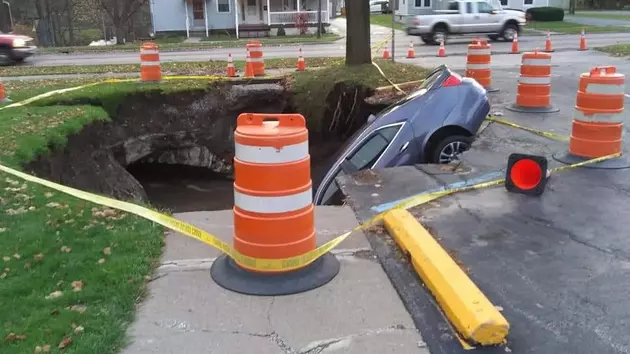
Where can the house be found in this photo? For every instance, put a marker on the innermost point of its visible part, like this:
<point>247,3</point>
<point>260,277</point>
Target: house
<point>246,18</point>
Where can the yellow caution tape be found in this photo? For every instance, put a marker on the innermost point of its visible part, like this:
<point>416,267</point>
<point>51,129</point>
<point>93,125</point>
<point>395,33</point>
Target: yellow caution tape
<point>261,264</point>
<point>545,134</point>
<point>48,94</point>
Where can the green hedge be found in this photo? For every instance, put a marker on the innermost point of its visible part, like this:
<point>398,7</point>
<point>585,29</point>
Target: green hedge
<point>545,14</point>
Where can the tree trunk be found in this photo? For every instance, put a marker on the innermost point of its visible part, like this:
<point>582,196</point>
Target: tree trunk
<point>358,33</point>
<point>120,32</point>
<point>572,7</point>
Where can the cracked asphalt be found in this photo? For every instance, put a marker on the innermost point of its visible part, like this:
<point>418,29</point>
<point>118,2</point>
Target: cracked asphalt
<point>359,312</point>
<point>557,265</point>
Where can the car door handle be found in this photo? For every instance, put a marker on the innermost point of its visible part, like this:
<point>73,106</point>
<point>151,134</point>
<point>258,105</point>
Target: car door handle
<point>403,148</point>
<point>476,17</point>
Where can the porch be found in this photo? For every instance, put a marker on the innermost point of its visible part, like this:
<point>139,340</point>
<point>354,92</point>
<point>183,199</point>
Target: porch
<point>255,16</point>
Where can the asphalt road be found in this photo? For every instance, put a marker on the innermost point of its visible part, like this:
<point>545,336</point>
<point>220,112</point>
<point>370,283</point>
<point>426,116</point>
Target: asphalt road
<point>456,46</point>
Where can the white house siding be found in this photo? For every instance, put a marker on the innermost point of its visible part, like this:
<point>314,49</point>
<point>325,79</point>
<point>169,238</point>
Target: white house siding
<point>170,15</point>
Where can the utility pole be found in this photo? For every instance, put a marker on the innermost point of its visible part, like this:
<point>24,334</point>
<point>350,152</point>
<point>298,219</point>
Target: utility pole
<point>392,9</point>
<point>319,18</point>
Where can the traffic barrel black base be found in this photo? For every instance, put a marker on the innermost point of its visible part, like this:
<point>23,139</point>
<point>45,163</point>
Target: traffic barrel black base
<point>227,274</point>
<point>618,163</point>
<point>523,109</point>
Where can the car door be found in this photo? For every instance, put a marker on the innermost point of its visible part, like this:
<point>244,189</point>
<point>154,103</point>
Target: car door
<point>489,19</point>
<point>470,17</point>
<point>365,155</point>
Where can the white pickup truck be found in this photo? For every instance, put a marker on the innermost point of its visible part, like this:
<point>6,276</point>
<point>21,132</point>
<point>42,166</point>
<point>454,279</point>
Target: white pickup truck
<point>467,17</point>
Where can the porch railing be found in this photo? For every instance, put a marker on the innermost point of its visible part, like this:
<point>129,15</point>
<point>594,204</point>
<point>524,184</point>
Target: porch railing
<point>288,17</point>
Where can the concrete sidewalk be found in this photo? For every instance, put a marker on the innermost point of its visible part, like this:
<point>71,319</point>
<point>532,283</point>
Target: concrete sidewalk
<point>358,312</point>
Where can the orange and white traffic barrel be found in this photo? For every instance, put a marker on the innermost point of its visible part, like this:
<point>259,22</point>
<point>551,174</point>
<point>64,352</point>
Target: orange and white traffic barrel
<point>273,214</point>
<point>534,84</point>
<point>478,62</point>
<point>150,68</point>
<point>597,127</point>
<point>256,57</point>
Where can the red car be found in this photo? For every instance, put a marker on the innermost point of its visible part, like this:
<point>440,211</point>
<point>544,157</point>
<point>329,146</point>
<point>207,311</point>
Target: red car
<point>15,48</point>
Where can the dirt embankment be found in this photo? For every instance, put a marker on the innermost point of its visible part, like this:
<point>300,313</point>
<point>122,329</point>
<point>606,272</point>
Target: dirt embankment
<point>192,128</point>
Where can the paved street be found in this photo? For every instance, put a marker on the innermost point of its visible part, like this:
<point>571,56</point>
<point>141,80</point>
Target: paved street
<point>456,46</point>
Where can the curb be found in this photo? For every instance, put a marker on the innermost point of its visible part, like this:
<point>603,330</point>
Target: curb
<point>467,308</point>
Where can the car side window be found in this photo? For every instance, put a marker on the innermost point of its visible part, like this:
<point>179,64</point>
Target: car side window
<point>332,194</point>
<point>373,147</point>
<point>469,9</point>
<point>453,6</point>
<point>484,7</point>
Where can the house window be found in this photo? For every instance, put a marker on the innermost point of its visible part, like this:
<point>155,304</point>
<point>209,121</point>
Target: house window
<point>223,5</point>
<point>504,2</point>
<point>528,2</point>
<point>422,3</point>
<point>198,9</point>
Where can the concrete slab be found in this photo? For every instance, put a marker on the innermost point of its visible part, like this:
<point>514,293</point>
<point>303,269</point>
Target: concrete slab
<point>358,312</point>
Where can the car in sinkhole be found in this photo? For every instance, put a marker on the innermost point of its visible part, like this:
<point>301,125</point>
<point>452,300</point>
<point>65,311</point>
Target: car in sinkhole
<point>434,124</point>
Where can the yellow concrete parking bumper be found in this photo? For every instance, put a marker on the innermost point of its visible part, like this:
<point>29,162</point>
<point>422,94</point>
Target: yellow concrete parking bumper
<point>467,308</point>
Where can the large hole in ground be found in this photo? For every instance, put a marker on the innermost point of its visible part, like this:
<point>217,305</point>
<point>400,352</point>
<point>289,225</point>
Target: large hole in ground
<point>175,150</point>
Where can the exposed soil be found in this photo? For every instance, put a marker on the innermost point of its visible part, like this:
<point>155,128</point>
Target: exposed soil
<point>193,128</point>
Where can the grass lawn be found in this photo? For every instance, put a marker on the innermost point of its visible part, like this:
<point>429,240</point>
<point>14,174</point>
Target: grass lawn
<point>385,20</point>
<point>572,28</point>
<point>176,43</point>
<point>72,272</point>
<point>169,68</point>
<point>616,50</point>
<point>606,16</point>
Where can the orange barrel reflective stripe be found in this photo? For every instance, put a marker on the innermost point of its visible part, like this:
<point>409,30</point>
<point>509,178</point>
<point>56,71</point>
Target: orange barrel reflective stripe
<point>597,127</point>
<point>150,69</point>
<point>256,57</point>
<point>273,198</point>
<point>534,84</point>
<point>478,61</point>
<point>597,120</point>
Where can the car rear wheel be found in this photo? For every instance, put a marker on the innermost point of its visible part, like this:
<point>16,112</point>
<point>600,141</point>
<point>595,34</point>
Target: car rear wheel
<point>449,149</point>
<point>439,34</point>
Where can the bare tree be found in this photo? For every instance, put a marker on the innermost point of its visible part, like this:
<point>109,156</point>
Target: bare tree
<point>120,12</point>
<point>358,32</point>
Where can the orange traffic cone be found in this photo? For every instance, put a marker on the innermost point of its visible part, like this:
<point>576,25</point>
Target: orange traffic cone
<point>515,44</point>
<point>410,52</point>
<point>301,64</point>
<point>386,52</point>
<point>249,68</point>
<point>3,94</point>
<point>582,41</point>
<point>548,47</point>
<point>442,51</point>
<point>231,71</point>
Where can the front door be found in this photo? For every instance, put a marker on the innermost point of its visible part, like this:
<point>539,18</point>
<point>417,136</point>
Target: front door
<point>252,14</point>
<point>199,13</point>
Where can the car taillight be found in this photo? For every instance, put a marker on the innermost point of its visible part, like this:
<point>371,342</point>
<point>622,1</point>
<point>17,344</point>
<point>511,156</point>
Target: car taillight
<point>452,80</point>
<point>416,22</point>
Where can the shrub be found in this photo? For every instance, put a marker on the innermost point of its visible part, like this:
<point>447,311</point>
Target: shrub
<point>281,31</point>
<point>545,14</point>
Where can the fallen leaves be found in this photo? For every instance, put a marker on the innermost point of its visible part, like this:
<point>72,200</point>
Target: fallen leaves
<point>78,308</point>
<point>65,343</point>
<point>12,338</point>
<point>3,229</point>
<point>6,258</point>
<point>54,295</point>
<point>65,249</point>
<point>38,257</point>
<point>79,330</point>
<point>77,285</point>
<point>107,251</point>
<point>101,261</point>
